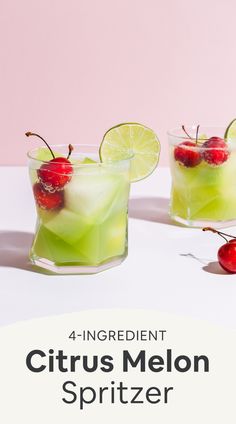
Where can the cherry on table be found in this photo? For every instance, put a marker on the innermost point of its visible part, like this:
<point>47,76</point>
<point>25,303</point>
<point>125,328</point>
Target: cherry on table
<point>227,252</point>
<point>227,256</point>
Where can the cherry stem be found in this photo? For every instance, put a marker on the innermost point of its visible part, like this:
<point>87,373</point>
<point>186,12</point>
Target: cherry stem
<point>189,136</point>
<point>223,235</point>
<point>71,148</point>
<point>28,134</point>
<point>183,128</point>
<point>197,133</point>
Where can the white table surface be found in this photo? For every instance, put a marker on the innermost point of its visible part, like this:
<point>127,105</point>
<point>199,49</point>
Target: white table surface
<point>169,268</point>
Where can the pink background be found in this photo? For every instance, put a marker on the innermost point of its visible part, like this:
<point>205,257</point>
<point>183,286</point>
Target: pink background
<point>70,69</point>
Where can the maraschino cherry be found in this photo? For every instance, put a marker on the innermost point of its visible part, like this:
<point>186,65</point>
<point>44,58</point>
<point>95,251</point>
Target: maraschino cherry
<point>47,200</point>
<point>215,151</point>
<point>227,252</point>
<point>187,152</point>
<point>56,173</point>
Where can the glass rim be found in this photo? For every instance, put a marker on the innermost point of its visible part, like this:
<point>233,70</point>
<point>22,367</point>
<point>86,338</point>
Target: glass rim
<point>81,150</point>
<point>173,132</point>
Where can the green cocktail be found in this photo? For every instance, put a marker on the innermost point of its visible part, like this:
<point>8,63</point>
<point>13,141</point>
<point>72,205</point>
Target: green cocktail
<point>84,228</point>
<point>81,194</point>
<point>203,177</point>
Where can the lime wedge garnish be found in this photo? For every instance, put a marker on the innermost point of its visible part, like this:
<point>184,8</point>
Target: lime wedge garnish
<point>135,141</point>
<point>230,132</point>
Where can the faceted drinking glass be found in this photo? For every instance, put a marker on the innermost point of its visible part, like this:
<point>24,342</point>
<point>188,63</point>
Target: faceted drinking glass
<point>203,193</point>
<point>88,232</point>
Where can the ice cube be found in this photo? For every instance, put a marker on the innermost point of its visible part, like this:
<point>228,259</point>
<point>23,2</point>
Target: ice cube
<point>91,193</point>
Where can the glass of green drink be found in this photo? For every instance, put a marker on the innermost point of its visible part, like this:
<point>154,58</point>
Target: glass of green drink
<point>203,168</point>
<point>81,209</point>
<point>81,195</point>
